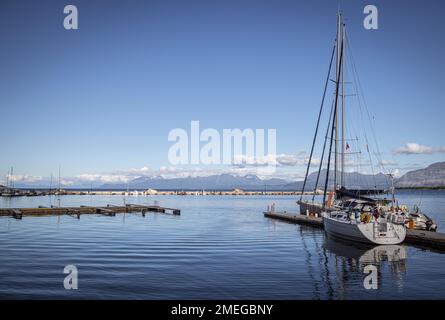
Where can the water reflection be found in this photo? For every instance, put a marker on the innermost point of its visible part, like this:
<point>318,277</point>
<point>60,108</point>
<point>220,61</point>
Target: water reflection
<point>365,254</point>
<point>335,267</point>
<point>351,258</point>
<point>317,262</point>
<point>220,248</point>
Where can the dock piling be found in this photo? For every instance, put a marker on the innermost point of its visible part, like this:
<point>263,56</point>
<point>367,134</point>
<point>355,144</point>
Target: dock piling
<point>17,214</point>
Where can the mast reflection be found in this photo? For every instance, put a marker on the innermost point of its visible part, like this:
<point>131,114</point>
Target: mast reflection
<point>335,267</point>
<point>351,258</point>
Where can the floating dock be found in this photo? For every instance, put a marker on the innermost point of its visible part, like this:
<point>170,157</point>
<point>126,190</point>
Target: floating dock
<point>108,210</point>
<point>426,239</point>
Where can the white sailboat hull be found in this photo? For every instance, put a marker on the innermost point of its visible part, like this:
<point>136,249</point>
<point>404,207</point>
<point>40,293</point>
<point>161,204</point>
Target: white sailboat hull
<point>365,232</point>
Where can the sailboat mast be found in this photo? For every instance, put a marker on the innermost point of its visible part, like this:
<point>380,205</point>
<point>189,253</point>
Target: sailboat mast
<point>336,112</point>
<point>58,193</point>
<point>7,179</point>
<point>343,108</point>
<point>11,180</point>
<point>337,84</point>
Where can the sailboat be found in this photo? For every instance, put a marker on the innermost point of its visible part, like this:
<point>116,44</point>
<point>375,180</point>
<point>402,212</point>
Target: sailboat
<point>9,190</point>
<point>349,214</point>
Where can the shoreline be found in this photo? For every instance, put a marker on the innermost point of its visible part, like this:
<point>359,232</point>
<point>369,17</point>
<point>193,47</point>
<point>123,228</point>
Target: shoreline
<point>152,192</point>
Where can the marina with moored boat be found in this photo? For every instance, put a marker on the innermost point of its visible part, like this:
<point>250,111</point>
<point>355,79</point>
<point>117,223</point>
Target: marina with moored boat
<point>421,238</point>
<point>356,215</point>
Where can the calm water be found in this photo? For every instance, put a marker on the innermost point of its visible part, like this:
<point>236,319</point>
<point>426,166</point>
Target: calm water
<point>219,248</point>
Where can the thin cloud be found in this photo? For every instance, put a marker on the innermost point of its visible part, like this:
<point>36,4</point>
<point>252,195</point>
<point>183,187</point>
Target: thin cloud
<point>300,159</point>
<point>280,160</point>
<point>24,178</point>
<point>388,163</point>
<point>416,148</point>
<point>244,160</point>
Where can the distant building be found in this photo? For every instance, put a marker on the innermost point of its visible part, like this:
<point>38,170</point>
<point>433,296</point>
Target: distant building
<point>151,191</point>
<point>237,191</point>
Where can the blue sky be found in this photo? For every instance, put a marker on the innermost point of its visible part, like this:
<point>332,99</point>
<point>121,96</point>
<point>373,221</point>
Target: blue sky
<point>102,99</point>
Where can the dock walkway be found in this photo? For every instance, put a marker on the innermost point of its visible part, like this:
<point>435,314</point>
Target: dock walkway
<point>108,210</point>
<point>427,239</point>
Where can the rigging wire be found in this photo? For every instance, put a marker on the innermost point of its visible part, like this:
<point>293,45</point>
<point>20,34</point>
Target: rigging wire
<point>324,148</point>
<point>362,105</point>
<point>318,121</point>
<point>333,126</point>
<point>360,94</point>
<point>352,133</point>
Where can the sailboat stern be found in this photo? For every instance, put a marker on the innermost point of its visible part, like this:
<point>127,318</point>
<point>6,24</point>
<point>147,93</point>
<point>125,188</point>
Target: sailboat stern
<point>383,232</point>
<point>338,225</point>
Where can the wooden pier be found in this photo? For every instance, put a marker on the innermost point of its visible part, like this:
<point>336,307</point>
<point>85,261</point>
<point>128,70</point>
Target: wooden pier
<point>425,239</point>
<point>108,210</point>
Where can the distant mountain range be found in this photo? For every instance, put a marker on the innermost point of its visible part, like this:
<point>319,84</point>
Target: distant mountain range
<point>352,180</point>
<point>432,176</point>
<point>249,182</point>
<point>213,182</point>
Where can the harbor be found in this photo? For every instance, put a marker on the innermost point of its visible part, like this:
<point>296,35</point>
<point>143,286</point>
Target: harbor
<point>218,247</point>
<point>222,159</point>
